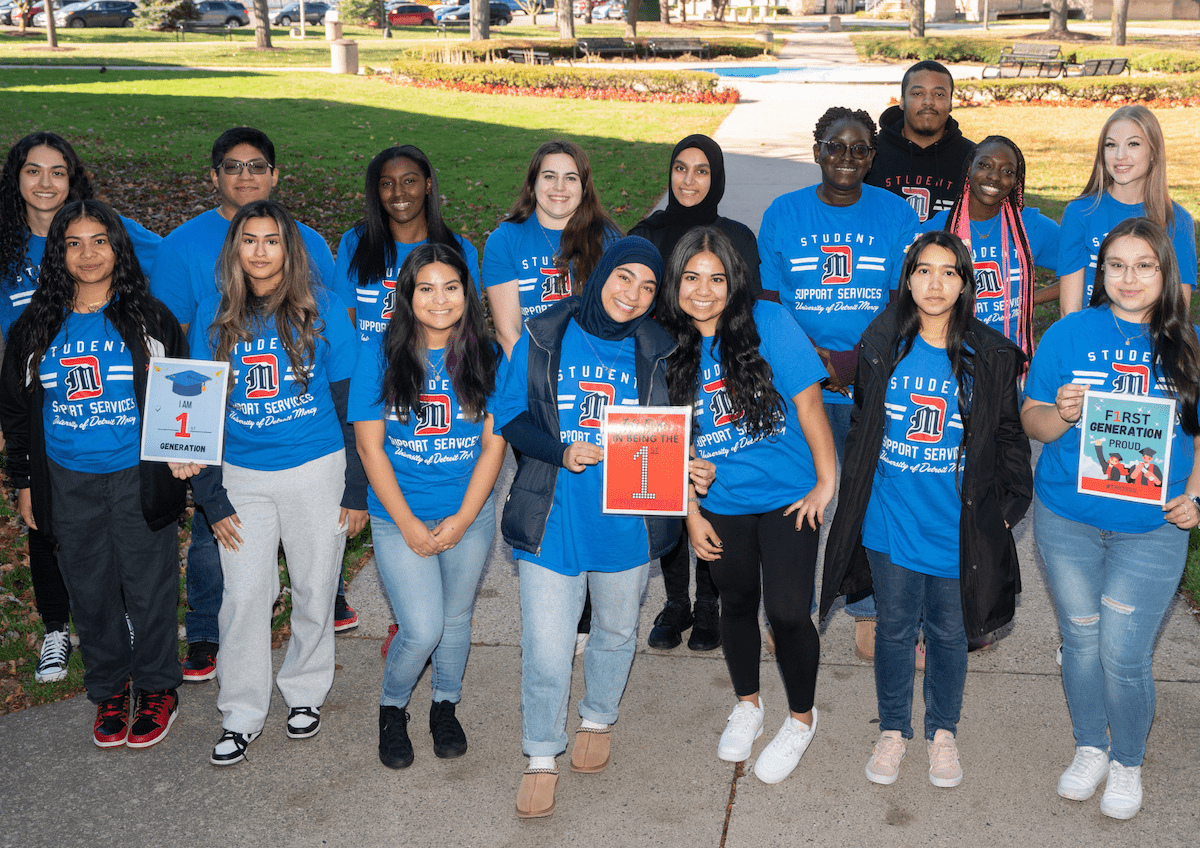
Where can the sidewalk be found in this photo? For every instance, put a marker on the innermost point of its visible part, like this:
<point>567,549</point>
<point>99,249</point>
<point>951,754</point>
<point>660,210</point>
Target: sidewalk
<point>665,786</point>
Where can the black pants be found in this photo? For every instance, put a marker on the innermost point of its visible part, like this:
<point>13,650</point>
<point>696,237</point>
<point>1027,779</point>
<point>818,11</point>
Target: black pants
<point>49,590</point>
<point>676,566</point>
<point>766,553</point>
<point>114,565</point>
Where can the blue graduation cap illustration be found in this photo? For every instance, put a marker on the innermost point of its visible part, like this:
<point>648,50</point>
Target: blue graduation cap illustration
<point>188,383</point>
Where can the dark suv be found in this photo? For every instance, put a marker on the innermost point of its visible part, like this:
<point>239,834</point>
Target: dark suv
<point>499,15</point>
<point>314,13</point>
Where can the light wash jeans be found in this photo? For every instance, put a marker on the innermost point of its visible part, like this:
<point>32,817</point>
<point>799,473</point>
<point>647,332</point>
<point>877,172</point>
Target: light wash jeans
<point>433,599</point>
<point>907,601</point>
<point>550,608</point>
<point>1111,591</point>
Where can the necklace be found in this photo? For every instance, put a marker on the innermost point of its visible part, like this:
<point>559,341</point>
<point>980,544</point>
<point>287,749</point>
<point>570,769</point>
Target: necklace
<point>983,234</point>
<point>546,236</point>
<point>1127,339</point>
<point>438,373</point>
<point>89,308</point>
<point>588,338</point>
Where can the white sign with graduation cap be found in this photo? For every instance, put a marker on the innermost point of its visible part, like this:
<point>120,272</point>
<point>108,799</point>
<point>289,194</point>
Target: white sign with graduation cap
<point>184,418</point>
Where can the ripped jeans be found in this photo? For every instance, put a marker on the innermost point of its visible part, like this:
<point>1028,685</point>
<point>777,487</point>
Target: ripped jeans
<point>1111,591</point>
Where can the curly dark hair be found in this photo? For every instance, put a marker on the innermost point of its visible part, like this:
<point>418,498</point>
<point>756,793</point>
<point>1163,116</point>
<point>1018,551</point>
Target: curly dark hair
<point>54,298</point>
<point>470,357</point>
<point>748,377</point>
<point>840,113</point>
<point>14,225</point>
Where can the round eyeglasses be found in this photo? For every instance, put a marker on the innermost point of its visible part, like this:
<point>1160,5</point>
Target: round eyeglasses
<point>837,149</point>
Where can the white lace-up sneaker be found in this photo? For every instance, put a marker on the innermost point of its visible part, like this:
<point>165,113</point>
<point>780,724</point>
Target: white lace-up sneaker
<point>944,768</point>
<point>56,653</point>
<point>1086,772</point>
<point>744,726</point>
<point>784,751</point>
<point>1123,794</point>
<point>884,766</point>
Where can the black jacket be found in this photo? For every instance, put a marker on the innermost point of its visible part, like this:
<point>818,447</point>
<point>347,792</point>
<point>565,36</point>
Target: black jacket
<point>163,496</point>
<point>997,481</point>
<point>929,178</point>
<point>742,237</point>
<point>527,507</point>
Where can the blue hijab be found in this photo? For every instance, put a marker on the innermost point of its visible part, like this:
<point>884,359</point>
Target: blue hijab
<point>591,316</point>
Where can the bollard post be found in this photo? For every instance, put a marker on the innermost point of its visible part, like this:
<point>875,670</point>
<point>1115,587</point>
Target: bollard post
<point>344,56</point>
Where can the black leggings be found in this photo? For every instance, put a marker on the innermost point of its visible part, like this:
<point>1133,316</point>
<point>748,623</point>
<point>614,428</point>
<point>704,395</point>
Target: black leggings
<point>49,590</point>
<point>769,545</point>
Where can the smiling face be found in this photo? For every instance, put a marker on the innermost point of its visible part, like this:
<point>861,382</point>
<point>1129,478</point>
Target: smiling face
<point>402,191</point>
<point>438,302</point>
<point>691,177</point>
<point>1127,156</point>
<point>1132,297</point>
<point>993,176</point>
<point>89,255</point>
<point>704,291</point>
<point>842,176</point>
<point>628,292</point>
<point>261,254</point>
<point>557,190</point>
<point>936,284</point>
<point>44,181</point>
<point>926,104</point>
<point>236,190</point>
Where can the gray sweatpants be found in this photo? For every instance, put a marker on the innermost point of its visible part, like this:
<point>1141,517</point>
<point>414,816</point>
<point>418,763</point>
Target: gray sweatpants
<point>300,506</point>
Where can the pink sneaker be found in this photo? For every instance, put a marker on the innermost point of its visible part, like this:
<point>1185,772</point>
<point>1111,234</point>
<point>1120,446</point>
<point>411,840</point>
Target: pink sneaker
<point>944,769</point>
<point>884,766</point>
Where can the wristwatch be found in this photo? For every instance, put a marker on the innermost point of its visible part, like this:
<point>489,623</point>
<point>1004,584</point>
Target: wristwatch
<point>1196,500</point>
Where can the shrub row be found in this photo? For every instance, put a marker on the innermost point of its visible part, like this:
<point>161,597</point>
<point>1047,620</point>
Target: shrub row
<point>1181,88</point>
<point>496,48</point>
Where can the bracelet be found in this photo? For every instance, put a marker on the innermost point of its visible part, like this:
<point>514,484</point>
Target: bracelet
<point>693,500</point>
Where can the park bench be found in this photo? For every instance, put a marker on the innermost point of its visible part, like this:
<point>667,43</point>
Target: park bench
<point>1099,68</point>
<point>444,25</point>
<point>1045,59</point>
<point>656,47</point>
<point>529,56</point>
<point>184,27</point>
<point>599,47</point>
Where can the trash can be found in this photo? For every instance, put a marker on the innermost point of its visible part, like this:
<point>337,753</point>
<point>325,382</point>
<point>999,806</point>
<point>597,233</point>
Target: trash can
<point>835,23</point>
<point>344,56</point>
<point>333,26</point>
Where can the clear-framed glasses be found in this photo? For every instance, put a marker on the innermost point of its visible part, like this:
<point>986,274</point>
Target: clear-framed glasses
<point>1116,268</point>
<point>258,167</point>
<point>836,149</point>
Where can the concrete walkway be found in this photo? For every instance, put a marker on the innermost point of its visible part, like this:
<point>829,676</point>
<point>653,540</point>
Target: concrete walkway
<point>665,785</point>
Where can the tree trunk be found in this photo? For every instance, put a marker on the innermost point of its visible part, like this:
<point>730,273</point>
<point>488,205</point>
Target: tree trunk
<point>566,18</point>
<point>1058,17</point>
<point>480,12</point>
<point>632,7</point>
<point>916,19</point>
<point>23,10</point>
<point>262,25</point>
<point>1120,16</point>
<point>383,21</point>
<point>52,33</point>
<point>664,12</point>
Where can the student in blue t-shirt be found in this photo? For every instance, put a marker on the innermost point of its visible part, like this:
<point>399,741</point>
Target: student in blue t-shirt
<point>1006,238</point>
<point>936,472</point>
<point>1113,566</point>
<point>1129,180</point>
<point>290,470</point>
<point>402,209</point>
<point>418,400</point>
<point>72,391</point>
<point>41,173</point>
<point>754,381</point>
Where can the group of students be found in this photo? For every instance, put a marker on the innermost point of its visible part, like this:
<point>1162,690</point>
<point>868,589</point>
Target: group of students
<point>896,349</point>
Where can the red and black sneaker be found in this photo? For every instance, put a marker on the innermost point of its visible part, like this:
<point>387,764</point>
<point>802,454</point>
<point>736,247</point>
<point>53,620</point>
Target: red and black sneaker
<point>112,720</point>
<point>200,664</point>
<point>344,616</point>
<point>155,714</point>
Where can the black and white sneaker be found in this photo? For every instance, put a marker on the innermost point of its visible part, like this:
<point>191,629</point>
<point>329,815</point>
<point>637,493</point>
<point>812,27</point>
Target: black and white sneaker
<point>303,722</point>
<point>231,747</point>
<point>56,653</point>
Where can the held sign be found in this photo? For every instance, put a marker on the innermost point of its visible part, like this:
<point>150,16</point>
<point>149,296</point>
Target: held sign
<point>184,419</point>
<point>646,451</point>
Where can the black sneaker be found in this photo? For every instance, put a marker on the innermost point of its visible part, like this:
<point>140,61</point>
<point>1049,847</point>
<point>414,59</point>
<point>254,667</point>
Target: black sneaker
<point>706,629</point>
<point>344,616</point>
<point>667,633</point>
<point>449,741</point>
<point>112,720</point>
<point>395,748</point>
<point>200,664</point>
<point>156,712</point>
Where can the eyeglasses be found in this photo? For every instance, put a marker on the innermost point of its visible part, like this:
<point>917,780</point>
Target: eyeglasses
<point>258,167</point>
<point>1113,268</point>
<point>837,149</point>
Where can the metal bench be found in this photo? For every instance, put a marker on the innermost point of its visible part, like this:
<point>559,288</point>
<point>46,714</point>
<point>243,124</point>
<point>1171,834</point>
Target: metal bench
<point>1099,68</point>
<point>599,47</point>
<point>1045,60</point>
<point>195,27</point>
<point>656,47</point>
<point>529,56</point>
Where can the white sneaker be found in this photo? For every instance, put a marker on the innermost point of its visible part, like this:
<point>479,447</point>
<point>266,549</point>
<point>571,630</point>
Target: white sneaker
<point>784,751</point>
<point>56,653</point>
<point>1123,794</point>
<point>744,726</point>
<point>1086,772</point>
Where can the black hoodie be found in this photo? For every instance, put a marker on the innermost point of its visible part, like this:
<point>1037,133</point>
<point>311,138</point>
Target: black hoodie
<point>929,178</point>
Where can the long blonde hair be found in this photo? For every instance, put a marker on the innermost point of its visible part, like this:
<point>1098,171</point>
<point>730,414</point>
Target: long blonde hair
<point>1156,199</point>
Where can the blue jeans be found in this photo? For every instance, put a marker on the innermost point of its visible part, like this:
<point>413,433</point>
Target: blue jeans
<point>550,607</point>
<point>205,583</point>
<point>1111,591</point>
<point>433,599</point>
<point>904,598</point>
<point>859,605</point>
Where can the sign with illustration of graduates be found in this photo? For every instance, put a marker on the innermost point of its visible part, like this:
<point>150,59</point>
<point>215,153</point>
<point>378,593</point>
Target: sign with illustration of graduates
<point>646,451</point>
<point>1125,446</point>
<point>184,419</point>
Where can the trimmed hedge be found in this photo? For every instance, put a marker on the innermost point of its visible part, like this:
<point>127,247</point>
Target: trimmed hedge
<point>1116,89</point>
<point>554,77</point>
<point>497,48</point>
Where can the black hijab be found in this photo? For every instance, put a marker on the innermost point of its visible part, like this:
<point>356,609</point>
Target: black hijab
<point>591,316</point>
<point>671,223</point>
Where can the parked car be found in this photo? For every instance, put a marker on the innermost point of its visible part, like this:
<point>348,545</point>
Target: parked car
<point>32,12</point>
<point>411,14</point>
<point>96,13</point>
<point>606,11</point>
<point>514,6</point>
<point>582,8</point>
<point>314,13</point>
<point>500,15</point>
<point>227,12</point>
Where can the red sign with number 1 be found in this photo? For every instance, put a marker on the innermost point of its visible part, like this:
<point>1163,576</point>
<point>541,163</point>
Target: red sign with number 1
<point>646,459</point>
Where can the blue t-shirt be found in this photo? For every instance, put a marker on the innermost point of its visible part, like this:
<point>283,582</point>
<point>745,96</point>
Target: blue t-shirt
<point>914,509</point>
<point>90,415</point>
<point>434,452</point>
<point>15,294</point>
<point>759,475</point>
<point>525,252</point>
<point>374,303</point>
<point>998,303</point>
<point>834,266</point>
<point>185,272</point>
<point>1088,348</point>
<point>1085,224</point>
<point>270,424</point>
<point>592,374</point>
